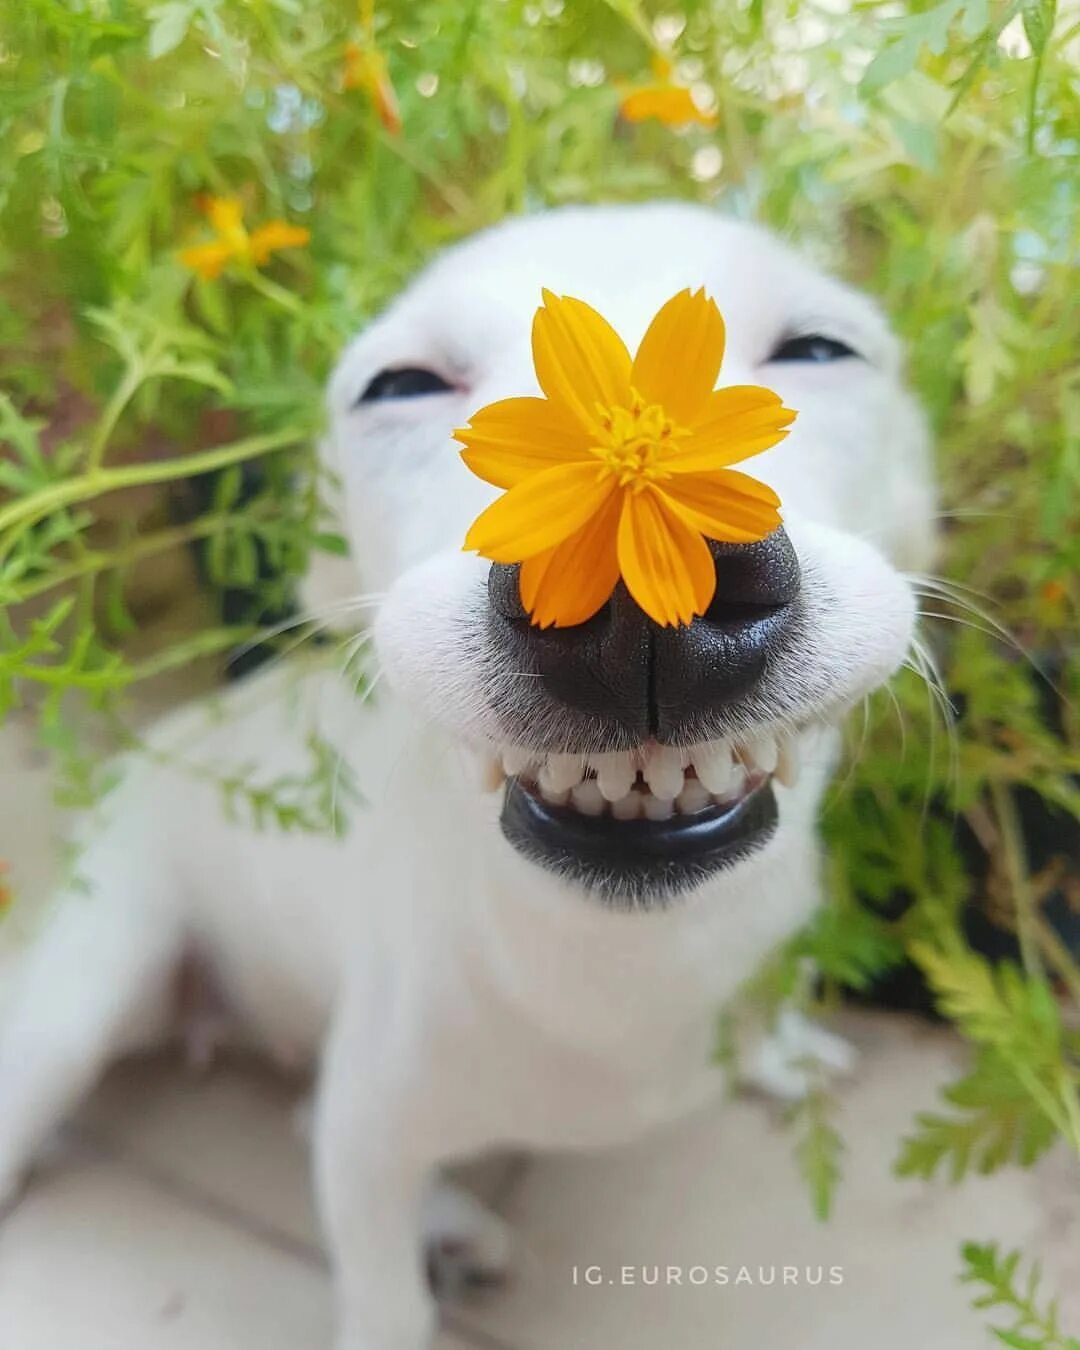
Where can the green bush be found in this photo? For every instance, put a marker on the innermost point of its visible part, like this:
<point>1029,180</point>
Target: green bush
<point>930,153</point>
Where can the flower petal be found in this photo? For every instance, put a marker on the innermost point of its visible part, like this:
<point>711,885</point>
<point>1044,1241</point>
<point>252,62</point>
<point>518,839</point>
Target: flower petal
<point>273,235</point>
<point>732,425</point>
<point>671,104</point>
<point>580,359</point>
<point>567,584</point>
<point>665,563</point>
<point>680,355</point>
<point>226,214</point>
<point>507,441</point>
<point>540,512</point>
<point>208,260</point>
<point>725,505</point>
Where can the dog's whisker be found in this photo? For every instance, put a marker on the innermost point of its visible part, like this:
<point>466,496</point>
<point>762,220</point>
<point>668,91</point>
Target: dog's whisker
<point>923,517</point>
<point>993,628</point>
<point>319,618</point>
<point>948,584</point>
<point>916,668</point>
<point>320,614</point>
<point>955,592</point>
<point>899,710</point>
<point>855,757</point>
<point>925,665</point>
<point>354,650</point>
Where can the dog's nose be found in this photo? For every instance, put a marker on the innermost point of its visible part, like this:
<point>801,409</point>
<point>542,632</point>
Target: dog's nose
<point>653,681</point>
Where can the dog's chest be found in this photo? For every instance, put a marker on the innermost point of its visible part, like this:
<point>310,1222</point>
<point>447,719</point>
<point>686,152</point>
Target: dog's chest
<point>590,1105</point>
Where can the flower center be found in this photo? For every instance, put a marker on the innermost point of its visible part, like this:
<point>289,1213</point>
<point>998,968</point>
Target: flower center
<point>634,441</point>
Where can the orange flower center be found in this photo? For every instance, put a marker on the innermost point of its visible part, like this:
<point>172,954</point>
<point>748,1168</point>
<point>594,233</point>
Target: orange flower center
<point>634,441</point>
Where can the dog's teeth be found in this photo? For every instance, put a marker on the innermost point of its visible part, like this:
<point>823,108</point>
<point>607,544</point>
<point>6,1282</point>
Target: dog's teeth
<point>694,797</point>
<point>760,753</point>
<point>714,767</point>
<point>562,772</point>
<point>627,807</point>
<point>554,798</point>
<point>736,784</point>
<point>787,764</point>
<point>615,774</point>
<point>588,798</point>
<point>657,808</point>
<point>663,770</point>
<point>517,760</point>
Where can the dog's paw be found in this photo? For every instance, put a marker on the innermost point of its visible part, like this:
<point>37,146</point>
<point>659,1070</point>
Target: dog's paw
<point>466,1246</point>
<point>791,1060</point>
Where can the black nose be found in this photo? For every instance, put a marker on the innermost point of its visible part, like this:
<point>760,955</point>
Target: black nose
<point>619,667</point>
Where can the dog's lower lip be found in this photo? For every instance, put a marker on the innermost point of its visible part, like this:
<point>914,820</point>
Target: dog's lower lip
<point>631,858</point>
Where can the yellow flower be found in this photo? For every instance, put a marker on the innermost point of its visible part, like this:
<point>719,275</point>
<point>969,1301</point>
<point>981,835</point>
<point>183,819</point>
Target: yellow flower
<point>623,467</point>
<point>366,69</point>
<point>670,103</point>
<point>235,243</point>
<point>6,896</point>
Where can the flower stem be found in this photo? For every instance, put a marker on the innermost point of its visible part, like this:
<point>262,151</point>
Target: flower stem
<point>1012,847</point>
<point>122,395</point>
<point>19,515</point>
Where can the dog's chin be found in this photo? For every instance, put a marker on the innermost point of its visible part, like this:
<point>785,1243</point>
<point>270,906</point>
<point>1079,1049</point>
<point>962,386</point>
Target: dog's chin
<point>639,863</point>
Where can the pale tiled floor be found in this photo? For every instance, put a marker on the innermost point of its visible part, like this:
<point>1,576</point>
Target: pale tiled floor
<point>178,1216</point>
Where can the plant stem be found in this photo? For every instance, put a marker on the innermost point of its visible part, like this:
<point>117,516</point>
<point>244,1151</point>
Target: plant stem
<point>1069,1095</point>
<point>20,514</point>
<point>1012,847</point>
<point>1058,956</point>
<point>122,395</point>
<point>91,563</point>
<point>202,644</point>
<point>272,291</point>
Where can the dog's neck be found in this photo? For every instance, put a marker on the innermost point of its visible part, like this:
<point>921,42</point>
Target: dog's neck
<point>603,977</point>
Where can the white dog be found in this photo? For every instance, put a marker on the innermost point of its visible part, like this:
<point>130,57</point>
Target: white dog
<point>537,962</point>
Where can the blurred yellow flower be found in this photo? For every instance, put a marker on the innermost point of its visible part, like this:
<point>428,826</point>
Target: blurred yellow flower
<point>234,243</point>
<point>6,896</point>
<point>666,101</point>
<point>622,469</point>
<point>366,69</point>
<point>1054,591</point>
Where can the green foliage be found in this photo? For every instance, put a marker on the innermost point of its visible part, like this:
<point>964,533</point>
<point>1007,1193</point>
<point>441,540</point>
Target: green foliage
<point>849,944</point>
<point>1031,1328</point>
<point>997,1122</point>
<point>310,803</point>
<point>1024,1089</point>
<point>819,1150</point>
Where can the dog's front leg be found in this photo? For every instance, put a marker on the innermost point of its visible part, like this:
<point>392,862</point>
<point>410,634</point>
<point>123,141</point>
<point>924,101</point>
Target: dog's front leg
<point>374,1161</point>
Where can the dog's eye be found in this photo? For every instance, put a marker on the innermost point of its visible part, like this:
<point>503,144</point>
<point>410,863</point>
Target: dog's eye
<point>403,382</point>
<point>812,347</point>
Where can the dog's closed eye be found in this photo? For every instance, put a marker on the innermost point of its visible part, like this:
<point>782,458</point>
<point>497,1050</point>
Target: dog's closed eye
<point>403,382</point>
<point>814,347</point>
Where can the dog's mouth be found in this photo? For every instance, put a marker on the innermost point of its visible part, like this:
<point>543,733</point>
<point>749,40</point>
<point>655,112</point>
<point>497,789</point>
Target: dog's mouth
<point>640,826</point>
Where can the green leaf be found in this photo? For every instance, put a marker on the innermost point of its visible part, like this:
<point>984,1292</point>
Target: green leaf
<point>1033,1328</point>
<point>169,26</point>
<point>1038,18</point>
<point>819,1156</point>
<point>329,542</point>
<point>901,54</point>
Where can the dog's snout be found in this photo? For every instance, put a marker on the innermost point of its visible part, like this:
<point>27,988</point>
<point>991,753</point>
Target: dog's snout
<point>620,666</point>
